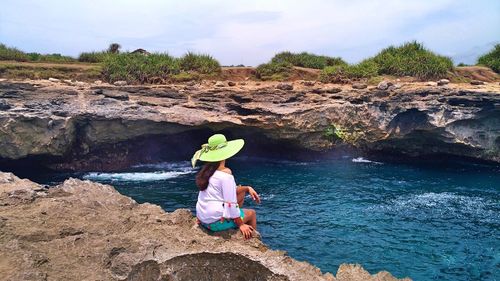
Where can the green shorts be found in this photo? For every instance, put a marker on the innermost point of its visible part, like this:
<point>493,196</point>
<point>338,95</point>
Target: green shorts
<point>223,224</point>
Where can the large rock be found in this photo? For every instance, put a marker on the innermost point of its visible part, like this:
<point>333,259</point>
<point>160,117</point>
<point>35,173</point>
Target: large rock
<point>359,85</point>
<point>384,85</point>
<point>284,86</point>
<point>443,82</point>
<point>220,84</point>
<point>65,127</point>
<point>81,230</point>
<point>120,83</point>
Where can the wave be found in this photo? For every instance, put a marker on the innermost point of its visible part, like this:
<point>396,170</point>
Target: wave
<point>166,165</point>
<point>363,160</point>
<point>139,176</point>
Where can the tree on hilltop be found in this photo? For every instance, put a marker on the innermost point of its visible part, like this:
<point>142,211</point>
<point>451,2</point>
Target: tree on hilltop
<point>114,48</point>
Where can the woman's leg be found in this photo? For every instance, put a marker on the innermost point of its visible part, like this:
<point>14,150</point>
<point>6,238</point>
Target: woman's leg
<point>240,194</point>
<point>250,218</point>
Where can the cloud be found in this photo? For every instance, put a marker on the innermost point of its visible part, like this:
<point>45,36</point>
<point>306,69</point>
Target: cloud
<point>250,32</point>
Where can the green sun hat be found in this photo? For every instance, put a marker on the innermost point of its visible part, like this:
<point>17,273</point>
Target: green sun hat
<point>217,149</point>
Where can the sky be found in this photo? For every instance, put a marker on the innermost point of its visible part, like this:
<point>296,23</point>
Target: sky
<point>250,32</point>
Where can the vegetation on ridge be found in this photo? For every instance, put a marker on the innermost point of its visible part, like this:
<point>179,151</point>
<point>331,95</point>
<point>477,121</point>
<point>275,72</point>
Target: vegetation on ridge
<point>344,73</point>
<point>412,59</point>
<point>275,71</point>
<point>10,53</point>
<point>491,59</point>
<point>99,56</point>
<point>157,67</point>
<point>281,65</point>
<point>409,59</point>
<point>307,60</point>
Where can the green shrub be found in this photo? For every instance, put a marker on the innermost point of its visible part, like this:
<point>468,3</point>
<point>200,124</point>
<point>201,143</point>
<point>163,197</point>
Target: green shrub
<point>274,71</point>
<point>138,68</point>
<point>308,60</point>
<point>412,59</point>
<point>56,58</point>
<point>158,67</point>
<point>344,73</point>
<point>9,53</point>
<point>42,71</point>
<point>365,69</point>
<point>333,74</point>
<point>184,77</point>
<point>93,57</point>
<point>491,59</point>
<point>200,63</point>
<point>34,56</point>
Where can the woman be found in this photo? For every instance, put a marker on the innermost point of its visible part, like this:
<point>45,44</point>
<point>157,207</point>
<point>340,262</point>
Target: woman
<point>220,200</point>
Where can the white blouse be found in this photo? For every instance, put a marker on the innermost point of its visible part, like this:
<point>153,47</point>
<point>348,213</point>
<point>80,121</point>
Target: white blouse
<point>218,200</point>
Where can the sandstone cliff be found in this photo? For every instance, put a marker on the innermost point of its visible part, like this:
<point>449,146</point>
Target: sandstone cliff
<point>89,126</point>
<point>82,230</point>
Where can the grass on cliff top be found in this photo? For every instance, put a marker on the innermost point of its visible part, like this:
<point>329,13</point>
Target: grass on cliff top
<point>93,57</point>
<point>412,59</point>
<point>16,70</point>
<point>274,71</point>
<point>409,59</point>
<point>281,65</point>
<point>307,60</point>
<point>491,59</point>
<point>99,56</point>
<point>345,73</point>
<point>14,54</point>
<point>157,67</point>
<point>10,53</point>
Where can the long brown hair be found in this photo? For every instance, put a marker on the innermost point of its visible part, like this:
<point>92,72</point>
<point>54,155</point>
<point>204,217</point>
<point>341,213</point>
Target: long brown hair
<point>205,173</point>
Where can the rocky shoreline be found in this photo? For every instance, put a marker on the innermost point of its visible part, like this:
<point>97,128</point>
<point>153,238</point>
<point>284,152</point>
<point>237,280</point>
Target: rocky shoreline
<point>81,230</point>
<point>78,126</point>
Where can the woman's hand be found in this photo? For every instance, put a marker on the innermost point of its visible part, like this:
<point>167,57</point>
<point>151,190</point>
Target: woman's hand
<point>255,196</point>
<point>246,230</point>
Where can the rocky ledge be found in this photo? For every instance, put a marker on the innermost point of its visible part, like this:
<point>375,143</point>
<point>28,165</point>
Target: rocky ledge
<point>97,126</point>
<point>81,230</point>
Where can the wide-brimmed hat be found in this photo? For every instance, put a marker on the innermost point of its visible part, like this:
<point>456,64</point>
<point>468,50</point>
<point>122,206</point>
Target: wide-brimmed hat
<point>217,149</point>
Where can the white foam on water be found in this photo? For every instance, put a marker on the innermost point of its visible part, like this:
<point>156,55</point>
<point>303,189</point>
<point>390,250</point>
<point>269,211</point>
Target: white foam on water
<point>431,199</point>
<point>363,160</point>
<point>139,176</point>
<point>446,204</point>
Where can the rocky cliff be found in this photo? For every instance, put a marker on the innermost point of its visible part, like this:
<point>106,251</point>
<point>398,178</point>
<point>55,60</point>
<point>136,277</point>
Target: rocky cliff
<point>81,230</point>
<point>96,126</point>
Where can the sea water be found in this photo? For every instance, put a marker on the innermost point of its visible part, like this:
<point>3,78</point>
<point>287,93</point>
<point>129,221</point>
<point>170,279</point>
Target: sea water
<point>425,222</point>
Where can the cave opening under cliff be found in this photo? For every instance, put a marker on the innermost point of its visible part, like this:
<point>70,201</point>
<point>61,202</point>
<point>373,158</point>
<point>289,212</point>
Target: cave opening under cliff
<point>156,148</point>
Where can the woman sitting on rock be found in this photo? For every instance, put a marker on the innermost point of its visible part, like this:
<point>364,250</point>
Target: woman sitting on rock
<point>220,199</point>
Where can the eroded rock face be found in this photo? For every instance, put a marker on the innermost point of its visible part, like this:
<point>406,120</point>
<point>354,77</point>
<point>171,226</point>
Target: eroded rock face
<point>103,127</point>
<point>82,230</point>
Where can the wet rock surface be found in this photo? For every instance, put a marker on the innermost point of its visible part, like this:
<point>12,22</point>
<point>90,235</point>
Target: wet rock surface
<point>81,230</point>
<point>104,127</point>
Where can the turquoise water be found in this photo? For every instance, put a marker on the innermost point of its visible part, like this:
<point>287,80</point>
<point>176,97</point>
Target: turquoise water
<point>425,222</point>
